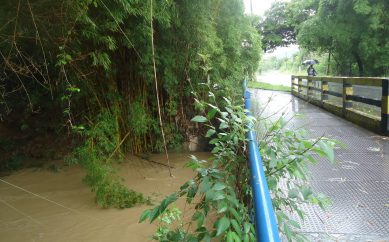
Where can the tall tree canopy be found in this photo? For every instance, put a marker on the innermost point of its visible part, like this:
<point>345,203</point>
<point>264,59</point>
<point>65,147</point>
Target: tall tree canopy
<point>355,33</point>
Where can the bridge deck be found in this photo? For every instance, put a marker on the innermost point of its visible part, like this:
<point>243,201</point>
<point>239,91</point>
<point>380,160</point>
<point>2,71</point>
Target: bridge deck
<point>358,184</point>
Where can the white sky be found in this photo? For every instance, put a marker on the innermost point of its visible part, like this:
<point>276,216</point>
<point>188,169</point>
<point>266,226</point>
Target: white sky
<point>259,6</point>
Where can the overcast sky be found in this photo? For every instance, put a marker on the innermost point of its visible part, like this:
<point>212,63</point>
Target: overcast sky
<point>259,6</point>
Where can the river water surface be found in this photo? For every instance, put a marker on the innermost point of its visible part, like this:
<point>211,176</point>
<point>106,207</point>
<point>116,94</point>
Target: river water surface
<point>63,208</point>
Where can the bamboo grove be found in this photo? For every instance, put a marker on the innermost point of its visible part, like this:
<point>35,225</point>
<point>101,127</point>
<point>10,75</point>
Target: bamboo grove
<point>94,57</point>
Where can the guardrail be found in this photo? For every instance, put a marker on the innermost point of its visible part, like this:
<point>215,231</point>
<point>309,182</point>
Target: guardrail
<point>265,220</point>
<point>320,85</point>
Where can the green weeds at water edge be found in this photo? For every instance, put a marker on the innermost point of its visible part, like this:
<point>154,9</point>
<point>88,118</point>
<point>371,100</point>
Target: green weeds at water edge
<point>221,192</point>
<point>95,157</point>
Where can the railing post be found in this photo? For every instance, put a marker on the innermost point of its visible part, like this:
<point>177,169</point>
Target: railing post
<point>309,88</point>
<point>384,106</point>
<point>347,91</point>
<point>291,84</point>
<point>324,90</point>
<point>300,83</point>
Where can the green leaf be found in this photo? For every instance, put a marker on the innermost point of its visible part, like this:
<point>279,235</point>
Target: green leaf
<point>227,100</point>
<point>205,185</point>
<point>199,119</point>
<point>328,150</point>
<point>175,236</point>
<point>218,196</point>
<point>219,186</point>
<point>222,207</point>
<point>307,192</point>
<point>246,227</point>
<point>144,215</point>
<point>154,213</point>
<point>222,225</point>
<point>272,183</point>
<point>185,185</point>
<point>287,232</point>
<point>230,238</point>
<point>210,132</point>
<point>294,224</point>
<point>192,190</point>
<point>293,193</point>
<point>213,141</point>
<point>246,238</point>
<point>223,125</point>
<point>235,213</point>
<point>273,163</point>
<point>207,238</point>
<point>161,208</point>
<point>236,237</point>
<point>236,227</point>
<point>211,114</point>
<point>199,217</point>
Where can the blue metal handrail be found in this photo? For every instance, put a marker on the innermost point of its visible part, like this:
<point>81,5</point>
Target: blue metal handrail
<point>265,221</point>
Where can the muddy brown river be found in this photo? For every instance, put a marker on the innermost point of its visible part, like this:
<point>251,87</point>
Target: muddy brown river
<point>63,208</point>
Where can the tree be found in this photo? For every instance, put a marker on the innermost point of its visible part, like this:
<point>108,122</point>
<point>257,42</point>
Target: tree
<point>276,27</point>
<point>354,33</point>
<point>281,23</point>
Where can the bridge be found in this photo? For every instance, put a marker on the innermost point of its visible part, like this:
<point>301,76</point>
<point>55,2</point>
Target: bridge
<point>358,184</point>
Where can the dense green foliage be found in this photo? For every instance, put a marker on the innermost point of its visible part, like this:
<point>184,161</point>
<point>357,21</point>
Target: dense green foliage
<point>353,34</point>
<point>96,157</point>
<point>220,192</point>
<point>221,189</point>
<point>85,65</point>
<point>103,50</point>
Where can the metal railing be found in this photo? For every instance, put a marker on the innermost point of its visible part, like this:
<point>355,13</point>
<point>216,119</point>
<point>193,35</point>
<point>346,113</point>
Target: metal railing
<point>347,109</point>
<point>265,220</point>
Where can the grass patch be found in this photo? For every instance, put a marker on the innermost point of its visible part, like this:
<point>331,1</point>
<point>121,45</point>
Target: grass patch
<point>268,86</point>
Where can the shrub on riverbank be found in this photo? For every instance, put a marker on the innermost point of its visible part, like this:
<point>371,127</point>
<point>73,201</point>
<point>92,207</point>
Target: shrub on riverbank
<point>221,193</point>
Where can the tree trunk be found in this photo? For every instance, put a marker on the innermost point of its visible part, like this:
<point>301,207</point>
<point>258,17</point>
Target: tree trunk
<point>329,62</point>
<point>360,64</point>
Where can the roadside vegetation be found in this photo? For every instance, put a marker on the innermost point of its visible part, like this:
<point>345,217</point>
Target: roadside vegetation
<point>220,192</point>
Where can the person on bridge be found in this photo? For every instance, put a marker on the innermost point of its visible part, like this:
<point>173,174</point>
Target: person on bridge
<point>311,71</point>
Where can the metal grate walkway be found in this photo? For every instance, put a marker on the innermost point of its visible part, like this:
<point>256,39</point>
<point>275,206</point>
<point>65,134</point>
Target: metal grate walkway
<point>358,184</point>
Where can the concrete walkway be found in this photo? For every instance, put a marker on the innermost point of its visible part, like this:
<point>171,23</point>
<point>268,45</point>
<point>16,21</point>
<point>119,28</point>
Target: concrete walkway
<point>358,184</point>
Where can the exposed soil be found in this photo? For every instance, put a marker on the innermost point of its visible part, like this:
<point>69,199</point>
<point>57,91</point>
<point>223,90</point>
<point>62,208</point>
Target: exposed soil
<point>71,214</point>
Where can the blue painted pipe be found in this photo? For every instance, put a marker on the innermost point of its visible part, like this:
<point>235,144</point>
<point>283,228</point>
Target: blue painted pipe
<point>265,221</point>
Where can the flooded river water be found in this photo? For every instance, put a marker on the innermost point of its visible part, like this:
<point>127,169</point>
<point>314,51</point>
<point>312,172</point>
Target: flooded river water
<point>63,208</point>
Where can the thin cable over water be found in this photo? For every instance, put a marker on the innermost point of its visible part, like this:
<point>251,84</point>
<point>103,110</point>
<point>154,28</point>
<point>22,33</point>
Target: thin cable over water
<point>48,200</point>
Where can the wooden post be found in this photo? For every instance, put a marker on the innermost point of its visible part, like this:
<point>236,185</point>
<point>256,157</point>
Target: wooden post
<point>347,92</point>
<point>309,88</point>
<point>292,85</point>
<point>324,90</point>
<point>384,106</point>
<point>300,83</point>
